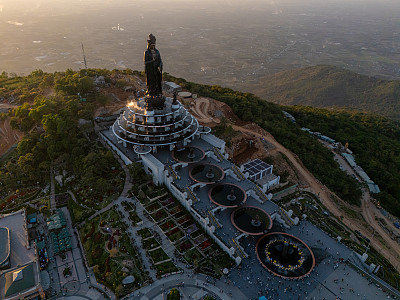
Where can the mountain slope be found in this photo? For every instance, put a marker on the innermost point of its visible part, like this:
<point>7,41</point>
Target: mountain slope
<point>328,86</point>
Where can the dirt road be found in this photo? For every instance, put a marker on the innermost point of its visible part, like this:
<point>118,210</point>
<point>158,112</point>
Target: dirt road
<point>8,136</point>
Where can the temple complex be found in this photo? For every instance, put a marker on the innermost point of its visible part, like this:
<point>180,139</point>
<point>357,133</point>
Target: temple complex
<point>161,134</point>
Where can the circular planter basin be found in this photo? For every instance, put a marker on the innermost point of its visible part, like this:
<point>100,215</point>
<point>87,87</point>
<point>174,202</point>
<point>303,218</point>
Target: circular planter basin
<point>285,255</point>
<point>188,154</point>
<point>206,173</point>
<point>251,220</point>
<point>227,195</point>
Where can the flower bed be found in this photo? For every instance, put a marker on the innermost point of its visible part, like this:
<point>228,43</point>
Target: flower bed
<point>167,202</point>
<point>144,233</point>
<point>180,214</point>
<point>158,255</point>
<point>192,255</point>
<point>167,225</point>
<point>153,207</point>
<point>184,246</point>
<point>150,243</point>
<point>134,217</point>
<point>159,215</point>
<point>176,209</point>
<point>175,235</point>
<point>182,219</point>
<point>165,268</point>
<point>204,245</point>
<point>200,239</point>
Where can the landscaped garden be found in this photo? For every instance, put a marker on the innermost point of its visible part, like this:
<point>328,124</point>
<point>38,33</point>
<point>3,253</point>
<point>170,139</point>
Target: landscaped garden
<point>19,199</point>
<point>131,209</point>
<point>191,241</point>
<point>110,251</point>
<point>160,259</point>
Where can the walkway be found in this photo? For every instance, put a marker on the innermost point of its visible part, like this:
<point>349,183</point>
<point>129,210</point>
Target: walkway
<point>124,193</point>
<point>132,231</point>
<point>197,285</point>
<point>52,190</point>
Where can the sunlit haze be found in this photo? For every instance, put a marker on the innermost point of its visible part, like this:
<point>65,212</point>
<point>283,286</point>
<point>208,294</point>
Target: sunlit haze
<point>226,42</point>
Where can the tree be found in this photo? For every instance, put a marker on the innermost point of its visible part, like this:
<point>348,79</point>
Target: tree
<point>103,99</point>
<point>174,294</point>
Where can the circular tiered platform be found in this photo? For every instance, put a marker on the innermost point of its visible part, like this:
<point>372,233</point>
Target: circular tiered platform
<point>142,149</point>
<point>204,129</point>
<point>166,124</point>
<point>206,173</point>
<point>285,255</point>
<point>188,154</point>
<point>251,220</point>
<point>227,195</point>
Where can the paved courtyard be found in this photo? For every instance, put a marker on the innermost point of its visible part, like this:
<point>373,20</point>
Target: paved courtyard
<point>250,277</point>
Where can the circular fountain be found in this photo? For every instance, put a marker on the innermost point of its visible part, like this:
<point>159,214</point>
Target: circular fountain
<point>251,220</point>
<point>206,173</point>
<point>188,154</point>
<point>227,195</point>
<point>285,255</point>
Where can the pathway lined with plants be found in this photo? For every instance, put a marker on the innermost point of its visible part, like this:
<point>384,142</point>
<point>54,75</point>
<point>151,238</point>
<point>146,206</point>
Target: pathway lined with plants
<point>132,230</point>
<point>165,244</point>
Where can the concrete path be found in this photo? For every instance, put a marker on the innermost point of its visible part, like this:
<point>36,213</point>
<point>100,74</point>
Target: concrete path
<point>191,287</point>
<point>132,231</point>
<point>52,190</point>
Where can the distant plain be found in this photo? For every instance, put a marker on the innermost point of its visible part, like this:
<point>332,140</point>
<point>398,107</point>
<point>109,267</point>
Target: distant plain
<point>237,44</point>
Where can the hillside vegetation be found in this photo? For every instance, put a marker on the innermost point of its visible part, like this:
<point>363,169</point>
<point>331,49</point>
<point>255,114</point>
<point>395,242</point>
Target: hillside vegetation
<point>374,140</point>
<point>318,159</point>
<point>328,86</point>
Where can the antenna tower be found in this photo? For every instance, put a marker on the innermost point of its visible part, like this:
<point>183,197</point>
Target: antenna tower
<point>84,58</point>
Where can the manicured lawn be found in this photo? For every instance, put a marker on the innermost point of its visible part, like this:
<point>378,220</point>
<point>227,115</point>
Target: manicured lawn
<point>150,243</point>
<point>165,268</point>
<point>158,255</point>
<point>175,234</point>
<point>144,233</point>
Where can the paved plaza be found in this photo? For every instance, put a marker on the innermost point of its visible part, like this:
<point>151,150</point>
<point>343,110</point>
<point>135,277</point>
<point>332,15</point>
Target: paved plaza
<point>332,278</point>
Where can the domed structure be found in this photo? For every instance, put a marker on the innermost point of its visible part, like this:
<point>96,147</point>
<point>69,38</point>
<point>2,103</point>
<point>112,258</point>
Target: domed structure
<point>142,125</point>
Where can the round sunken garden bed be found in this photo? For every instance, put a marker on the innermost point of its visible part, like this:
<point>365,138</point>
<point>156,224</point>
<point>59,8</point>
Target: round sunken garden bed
<point>188,154</point>
<point>251,220</point>
<point>227,195</point>
<point>285,255</point>
<point>206,173</point>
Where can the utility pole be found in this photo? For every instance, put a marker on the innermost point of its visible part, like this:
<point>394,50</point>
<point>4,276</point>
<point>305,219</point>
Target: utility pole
<point>373,234</point>
<point>84,58</point>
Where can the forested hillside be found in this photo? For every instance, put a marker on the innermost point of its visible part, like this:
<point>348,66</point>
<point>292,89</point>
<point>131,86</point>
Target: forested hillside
<point>318,159</point>
<point>374,140</point>
<point>53,134</point>
<point>328,86</point>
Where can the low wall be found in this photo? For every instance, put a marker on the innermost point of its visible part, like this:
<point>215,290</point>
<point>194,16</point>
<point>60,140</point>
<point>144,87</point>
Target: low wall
<point>124,158</point>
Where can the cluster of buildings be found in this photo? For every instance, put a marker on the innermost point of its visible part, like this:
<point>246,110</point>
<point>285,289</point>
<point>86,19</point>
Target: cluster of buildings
<point>192,164</point>
<point>20,276</point>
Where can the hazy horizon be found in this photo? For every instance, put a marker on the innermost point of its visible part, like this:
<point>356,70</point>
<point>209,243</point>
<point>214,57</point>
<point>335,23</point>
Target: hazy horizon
<point>233,43</point>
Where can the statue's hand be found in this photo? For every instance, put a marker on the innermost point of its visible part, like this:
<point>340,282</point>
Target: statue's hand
<point>159,70</point>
